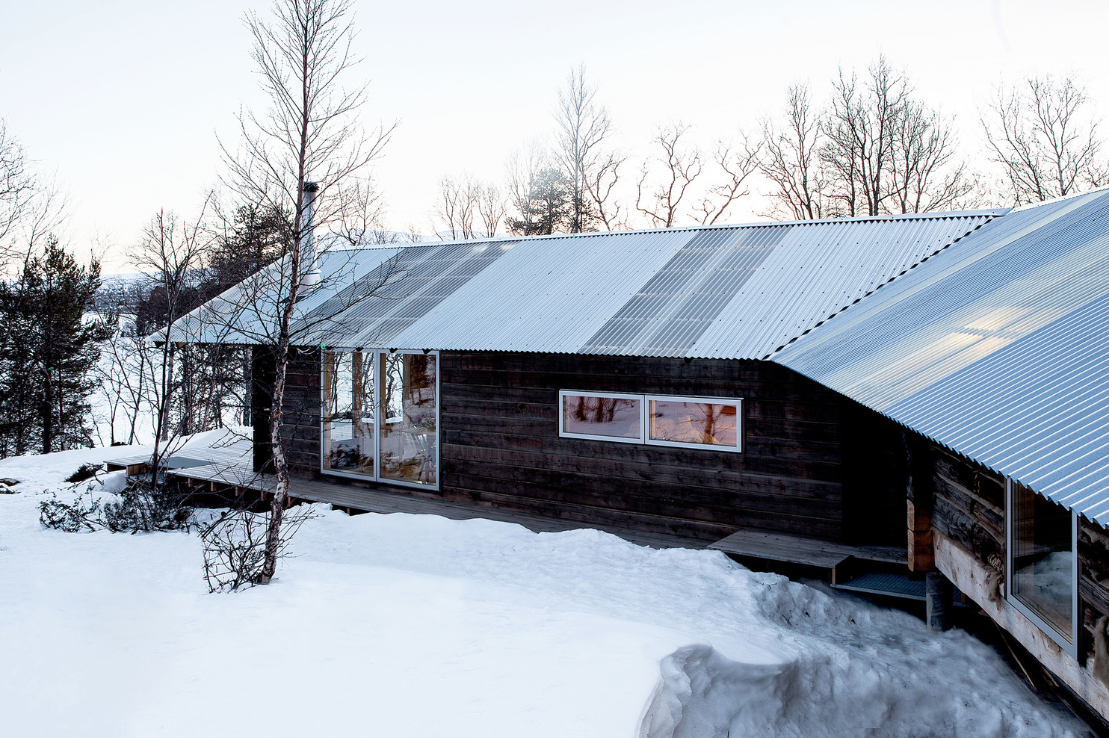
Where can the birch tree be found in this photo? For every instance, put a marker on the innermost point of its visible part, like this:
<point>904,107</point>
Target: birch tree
<point>583,126</point>
<point>307,144</point>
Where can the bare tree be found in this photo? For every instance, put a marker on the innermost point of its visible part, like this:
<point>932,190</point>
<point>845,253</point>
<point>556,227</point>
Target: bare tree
<point>522,170</point>
<point>1045,138</point>
<point>300,159</point>
<point>792,158</point>
<point>171,253</point>
<point>601,181</point>
<point>886,151</point>
<point>583,125</point>
<point>924,172</point>
<point>492,208</point>
<point>122,372</point>
<point>681,165</point>
<point>32,208</point>
<point>16,188</point>
<point>459,199</point>
<point>737,164</point>
<point>860,136</point>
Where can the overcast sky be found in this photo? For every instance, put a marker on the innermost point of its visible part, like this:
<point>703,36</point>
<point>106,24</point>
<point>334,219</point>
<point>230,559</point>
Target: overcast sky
<point>124,100</point>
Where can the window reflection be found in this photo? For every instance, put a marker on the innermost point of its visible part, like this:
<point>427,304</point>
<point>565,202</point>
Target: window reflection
<point>1042,558</point>
<point>348,420</point>
<point>610,417</point>
<point>409,435</point>
<point>697,423</point>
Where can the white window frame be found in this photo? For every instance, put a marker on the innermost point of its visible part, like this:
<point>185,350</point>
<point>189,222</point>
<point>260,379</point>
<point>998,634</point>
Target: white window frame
<point>644,419</point>
<point>563,433</point>
<point>737,401</point>
<point>378,388</point>
<point>1072,646</point>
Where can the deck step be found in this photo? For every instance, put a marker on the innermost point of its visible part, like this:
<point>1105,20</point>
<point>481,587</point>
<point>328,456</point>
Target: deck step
<point>889,584</point>
<point>794,549</point>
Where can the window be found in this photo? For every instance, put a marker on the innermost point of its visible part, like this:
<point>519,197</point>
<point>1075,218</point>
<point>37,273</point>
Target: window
<point>348,413</point>
<point>379,418</point>
<point>694,422</point>
<point>1042,565</point>
<point>601,416</point>
<point>409,437</point>
<point>685,422</point>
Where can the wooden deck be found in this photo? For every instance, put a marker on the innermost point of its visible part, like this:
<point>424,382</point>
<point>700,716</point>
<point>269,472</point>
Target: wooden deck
<point>229,468</point>
<point>367,500</point>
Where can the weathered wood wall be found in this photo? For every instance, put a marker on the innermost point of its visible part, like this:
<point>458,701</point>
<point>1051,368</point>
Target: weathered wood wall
<point>1093,581</point>
<point>969,508</point>
<point>500,445</point>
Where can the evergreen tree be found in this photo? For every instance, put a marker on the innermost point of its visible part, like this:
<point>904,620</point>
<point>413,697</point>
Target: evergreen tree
<point>549,206</point>
<point>254,240</point>
<point>47,352</point>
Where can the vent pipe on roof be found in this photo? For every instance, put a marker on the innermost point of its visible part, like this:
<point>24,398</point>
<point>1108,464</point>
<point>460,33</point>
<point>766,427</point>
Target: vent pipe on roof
<point>310,269</point>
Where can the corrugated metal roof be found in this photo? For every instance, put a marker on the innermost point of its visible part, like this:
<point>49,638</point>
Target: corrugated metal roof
<point>997,348</point>
<point>721,292</point>
<point>688,292</point>
<point>547,294</point>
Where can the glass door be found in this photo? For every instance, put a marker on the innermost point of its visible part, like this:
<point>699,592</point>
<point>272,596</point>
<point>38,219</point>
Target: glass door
<point>379,416</point>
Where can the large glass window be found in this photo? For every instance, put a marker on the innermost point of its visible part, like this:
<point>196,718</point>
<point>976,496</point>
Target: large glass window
<point>694,422</point>
<point>348,413</point>
<point>1042,559</point>
<point>409,435</point>
<point>380,416</point>
<point>604,416</point>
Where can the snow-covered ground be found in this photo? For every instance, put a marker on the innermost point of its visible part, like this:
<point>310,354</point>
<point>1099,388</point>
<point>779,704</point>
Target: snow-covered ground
<point>401,625</point>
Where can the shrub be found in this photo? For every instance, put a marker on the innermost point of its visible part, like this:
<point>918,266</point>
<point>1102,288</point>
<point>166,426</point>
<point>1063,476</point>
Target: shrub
<point>85,471</point>
<point>235,546</point>
<point>141,507</point>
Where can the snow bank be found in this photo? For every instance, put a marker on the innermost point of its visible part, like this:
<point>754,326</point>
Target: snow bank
<point>401,625</point>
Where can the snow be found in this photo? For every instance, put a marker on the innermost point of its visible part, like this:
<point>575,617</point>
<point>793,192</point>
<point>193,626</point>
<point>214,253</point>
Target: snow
<point>404,625</point>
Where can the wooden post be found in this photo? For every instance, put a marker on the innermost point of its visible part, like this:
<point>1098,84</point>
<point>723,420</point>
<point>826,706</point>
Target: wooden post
<point>938,593</point>
<point>922,556</point>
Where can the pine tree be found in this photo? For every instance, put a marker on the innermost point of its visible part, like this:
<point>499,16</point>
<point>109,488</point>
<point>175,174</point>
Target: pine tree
<point>47,352</point>
<point>549,206</point>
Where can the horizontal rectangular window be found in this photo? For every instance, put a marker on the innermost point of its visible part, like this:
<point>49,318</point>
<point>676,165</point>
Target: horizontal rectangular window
<point>685,422</point>
<point>601,416</point>
<point>694,422</point>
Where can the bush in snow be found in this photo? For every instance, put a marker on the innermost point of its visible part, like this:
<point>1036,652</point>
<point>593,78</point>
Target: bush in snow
<point>145,507</point>
<point>140,507</point>
<point>85,471</point>
<point>83,514</point>
<point>235,546</point>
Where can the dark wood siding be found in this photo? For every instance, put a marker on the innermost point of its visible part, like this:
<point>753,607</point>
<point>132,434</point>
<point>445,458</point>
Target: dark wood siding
<point>500,446</point>
<point>300,418</point>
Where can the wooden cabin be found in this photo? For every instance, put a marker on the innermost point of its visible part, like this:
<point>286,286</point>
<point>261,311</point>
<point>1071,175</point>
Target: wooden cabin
<point>922,392</point>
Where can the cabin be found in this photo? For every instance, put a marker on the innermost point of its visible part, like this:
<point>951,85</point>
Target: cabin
<point>915,398</point>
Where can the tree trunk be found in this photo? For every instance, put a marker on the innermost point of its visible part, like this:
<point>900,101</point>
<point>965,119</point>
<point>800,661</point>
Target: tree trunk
<point>280,465</point>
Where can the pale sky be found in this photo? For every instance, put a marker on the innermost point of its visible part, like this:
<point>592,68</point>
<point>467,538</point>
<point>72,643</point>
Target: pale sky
<point>123,101</point>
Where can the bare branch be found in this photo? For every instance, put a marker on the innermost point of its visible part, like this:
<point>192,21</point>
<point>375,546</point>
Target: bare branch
<point>1045,139</point>
<point>681,165</point>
